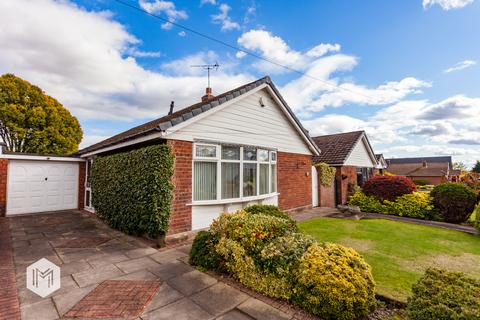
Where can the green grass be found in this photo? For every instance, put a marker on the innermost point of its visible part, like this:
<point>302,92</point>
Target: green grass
<point>400,252</point>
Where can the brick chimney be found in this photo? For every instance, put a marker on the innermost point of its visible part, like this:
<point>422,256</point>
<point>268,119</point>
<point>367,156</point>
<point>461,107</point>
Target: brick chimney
<point>208,95</point>
<point>424,164</point>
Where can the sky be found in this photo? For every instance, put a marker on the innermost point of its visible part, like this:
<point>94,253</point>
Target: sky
<point>406,72</point>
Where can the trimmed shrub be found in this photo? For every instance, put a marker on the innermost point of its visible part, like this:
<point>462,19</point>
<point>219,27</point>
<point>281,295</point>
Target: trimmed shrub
<point>132,191</point>
<point>269,210</point>
<point>476,217</point>
<point>454,201</point>
<point>420,182</point>
<point>243,267</point>
<point>334,282</point>
<point>414,205</point>
<point>440,294</point>
<point>251,231</point>
<point>367,203</point>
<point>203,254</point>
<point>388,188</point>
<point>282,255</point>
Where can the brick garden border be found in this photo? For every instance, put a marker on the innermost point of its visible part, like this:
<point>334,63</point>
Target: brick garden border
<point>9,304</point>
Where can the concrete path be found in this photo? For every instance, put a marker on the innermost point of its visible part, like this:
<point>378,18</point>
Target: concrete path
<point>107,274</point>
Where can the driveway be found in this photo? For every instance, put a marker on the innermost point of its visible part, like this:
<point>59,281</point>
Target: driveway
<point>107,274</point>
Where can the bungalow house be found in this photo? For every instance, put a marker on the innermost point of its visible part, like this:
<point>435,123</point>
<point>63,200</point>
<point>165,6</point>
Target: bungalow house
<point>242,147</point>
<point>432,170</point>
<point>353,157</point>
<point>381,164</point>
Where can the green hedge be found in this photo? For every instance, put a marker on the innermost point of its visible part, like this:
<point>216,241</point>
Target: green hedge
<point>132,191</point>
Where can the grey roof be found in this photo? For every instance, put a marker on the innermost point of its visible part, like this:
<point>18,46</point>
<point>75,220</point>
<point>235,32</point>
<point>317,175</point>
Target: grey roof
<point>187,113</point>
<point>447,159</point>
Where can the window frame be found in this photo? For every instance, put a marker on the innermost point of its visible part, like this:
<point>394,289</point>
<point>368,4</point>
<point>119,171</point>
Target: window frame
<point>218,159</point>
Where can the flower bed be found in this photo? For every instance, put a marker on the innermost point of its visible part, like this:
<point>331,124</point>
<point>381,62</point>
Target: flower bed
<point>266,253</point>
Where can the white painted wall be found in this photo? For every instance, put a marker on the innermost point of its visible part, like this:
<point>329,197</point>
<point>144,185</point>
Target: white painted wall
<point>314,187</point>
<point>360,156</point>
<point>246,122</point>
<point>203,216</point>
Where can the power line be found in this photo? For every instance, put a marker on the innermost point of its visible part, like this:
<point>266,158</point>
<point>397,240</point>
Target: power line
<point>231,46</point>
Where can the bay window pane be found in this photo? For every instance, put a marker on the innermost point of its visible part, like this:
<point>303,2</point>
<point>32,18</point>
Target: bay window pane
<point>264,178</point>
<point>230,153</point>
<point>230,180</point>
<point>273,156</point>
<point>249,179</point>
<point>249,153</point>
<point>273,179</point>
<point>205,180</point>
<point>206,151</point>
<point>262,155</point>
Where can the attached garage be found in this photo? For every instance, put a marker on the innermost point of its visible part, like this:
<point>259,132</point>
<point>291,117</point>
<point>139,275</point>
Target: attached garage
<point>34,184</point>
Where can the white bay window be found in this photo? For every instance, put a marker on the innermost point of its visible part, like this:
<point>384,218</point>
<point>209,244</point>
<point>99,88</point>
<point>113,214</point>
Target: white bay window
<point>224,172</point>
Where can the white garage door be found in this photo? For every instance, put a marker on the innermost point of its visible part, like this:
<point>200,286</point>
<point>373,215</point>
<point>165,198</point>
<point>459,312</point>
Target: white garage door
<point>39,186</point>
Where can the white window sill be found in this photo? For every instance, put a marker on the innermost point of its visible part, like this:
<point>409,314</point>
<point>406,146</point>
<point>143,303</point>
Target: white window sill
<point>224,201</point>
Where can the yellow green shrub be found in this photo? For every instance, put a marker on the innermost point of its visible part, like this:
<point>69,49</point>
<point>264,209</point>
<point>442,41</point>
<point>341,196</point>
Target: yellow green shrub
<point>413,205</point>
<point>252,231</point>
<point>243,268</point>
<point>367,203</point>
<point>334,282</point>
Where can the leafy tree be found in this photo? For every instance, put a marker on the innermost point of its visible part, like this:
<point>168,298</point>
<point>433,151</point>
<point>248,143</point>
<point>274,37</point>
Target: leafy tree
<point>33,122</point>
<point>460,166</point>
<point>476,167</point>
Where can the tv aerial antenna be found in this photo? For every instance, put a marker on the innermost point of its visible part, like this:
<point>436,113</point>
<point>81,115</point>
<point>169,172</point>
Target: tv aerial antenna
<point>207,67</point>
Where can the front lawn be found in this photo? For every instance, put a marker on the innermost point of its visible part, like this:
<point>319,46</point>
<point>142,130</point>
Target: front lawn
<point>400,252</point>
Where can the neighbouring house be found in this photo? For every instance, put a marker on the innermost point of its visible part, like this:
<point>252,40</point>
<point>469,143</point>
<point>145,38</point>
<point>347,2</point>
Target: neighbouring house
<point>381,164</point>
<point>430,170</point>
<point>242,147</point>
<point>353,157</point>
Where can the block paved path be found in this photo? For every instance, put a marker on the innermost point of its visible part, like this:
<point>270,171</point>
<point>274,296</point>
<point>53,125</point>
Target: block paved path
<point>107,274</point>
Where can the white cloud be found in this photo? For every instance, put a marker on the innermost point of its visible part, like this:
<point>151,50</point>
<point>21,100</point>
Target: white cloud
<point>166,7</point>
<point>322,49</point>
<point>446,4</point>
<point>134,52</point>
<point>224,19</point>
<point>94,78</point>
<point>333,123</point>
<point>182,33</point>
<point>461,65</point>
<point>212,2</point>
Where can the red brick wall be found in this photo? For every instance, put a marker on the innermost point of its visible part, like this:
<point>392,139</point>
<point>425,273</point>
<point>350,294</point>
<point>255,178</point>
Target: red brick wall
<point>181,217</point>
<point>3,186</point>
<point>81,185</point>
<point>344,176</point>
<point>294,180</point>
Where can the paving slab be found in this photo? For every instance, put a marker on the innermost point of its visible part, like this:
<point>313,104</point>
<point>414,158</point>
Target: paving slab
<point>108,258</point>
<point>140,252</point>
<point>170,270</point>
<point>235,315</point>
<point>262,311</point>
<point>168,255</point>
<point>184,309</point>
<point>219,298</point>
<point>98,275</point>
<point>165,295</point>
<point>136,264</point>
<point>138,275</point>
<point>191,282</point>
<point>43,310</point>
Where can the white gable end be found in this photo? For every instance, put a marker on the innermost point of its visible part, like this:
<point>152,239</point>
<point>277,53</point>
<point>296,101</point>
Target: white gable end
<point>247,122</point>
<point>360,157</point>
